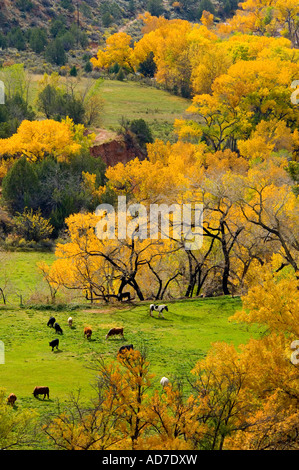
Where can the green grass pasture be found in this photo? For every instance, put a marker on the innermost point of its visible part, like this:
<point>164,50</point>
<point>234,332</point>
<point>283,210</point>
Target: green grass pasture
<point>133,100</point>
<point>173,344</point>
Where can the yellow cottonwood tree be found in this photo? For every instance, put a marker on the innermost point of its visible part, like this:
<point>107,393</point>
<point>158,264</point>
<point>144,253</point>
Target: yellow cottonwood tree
<point>100,266</point>
<point>37,139</point>
<point>34,139</point>
<point>171,417</point>
<point>117,50</point>
<point>249,92</point>
<point>267,17</point>
<point>119,417</point>
<point>272,300</point>
<point>268,137</point>
<point>16,425</point>
<point>268,202</point>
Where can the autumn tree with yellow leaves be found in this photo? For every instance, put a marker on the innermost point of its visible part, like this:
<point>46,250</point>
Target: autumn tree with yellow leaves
<point>264,17</point>
<point>119,416</point>
<point>37,139</point>
<point>117,51</point>
<point>248,214</point>
<point>102,267</point>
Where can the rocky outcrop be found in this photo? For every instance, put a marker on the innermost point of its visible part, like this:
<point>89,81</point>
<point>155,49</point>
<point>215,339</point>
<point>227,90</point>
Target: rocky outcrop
<point>113,148</point>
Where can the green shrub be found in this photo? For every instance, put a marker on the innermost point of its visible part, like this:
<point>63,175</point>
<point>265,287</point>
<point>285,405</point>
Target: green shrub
<point>32,226</point>
<point>121,75</point>
<point>142,131</point>
<point>155,7</point>
<point>24,5</point>
<point>57,104</point>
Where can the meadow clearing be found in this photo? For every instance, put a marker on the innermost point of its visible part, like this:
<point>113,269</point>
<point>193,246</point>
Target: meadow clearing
<point>173,345</point>
<point>127,99</point>
<point>136,101</point>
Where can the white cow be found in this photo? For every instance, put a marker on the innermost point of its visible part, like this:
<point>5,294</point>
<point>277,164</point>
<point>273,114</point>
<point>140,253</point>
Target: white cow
<point>164,381</point>
<point>70,321</point>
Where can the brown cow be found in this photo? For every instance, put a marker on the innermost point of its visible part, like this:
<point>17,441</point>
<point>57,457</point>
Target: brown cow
<point>41,391</point>
<point>87,332</point>
<point>11,399</point>
<point>115,331</point>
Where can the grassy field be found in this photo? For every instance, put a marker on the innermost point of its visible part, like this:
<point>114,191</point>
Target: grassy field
<point>135,101</point>
<point>19,275</point>
<point>173,345</point>
<point>185,334</point>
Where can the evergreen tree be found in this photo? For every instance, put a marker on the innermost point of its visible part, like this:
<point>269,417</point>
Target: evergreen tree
<point>55,52</point>
<point>148,67</point>
<point>38,40</point>
<point>20,186</point>
<point>73,71</point>
<point>16,38</point>
<point>155,7</point>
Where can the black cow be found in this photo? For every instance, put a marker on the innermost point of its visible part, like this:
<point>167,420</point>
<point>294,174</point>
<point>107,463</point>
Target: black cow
<point>58,328</point>
<point>127,347</point>
<point>54,343</point>
<point>51,321</point>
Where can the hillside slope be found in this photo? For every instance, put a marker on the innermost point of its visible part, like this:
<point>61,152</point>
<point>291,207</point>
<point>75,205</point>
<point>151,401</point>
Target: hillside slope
<point>98,15</point>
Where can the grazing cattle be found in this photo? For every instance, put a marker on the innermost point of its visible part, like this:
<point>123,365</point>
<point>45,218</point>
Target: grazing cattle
<point>58,328</point>
<point>54,344</point>
<point>152,308</point>
<point>161,308</point>
<point>70,321</point>
<point>164,381</point>
<point>127,347</point>
<point>158,308</point>
<point>51,321</point>
<point>11,399</point>
<point>115,331</point>
<point>87,332</point>
<point>124,296</point>
<point>41,391</point>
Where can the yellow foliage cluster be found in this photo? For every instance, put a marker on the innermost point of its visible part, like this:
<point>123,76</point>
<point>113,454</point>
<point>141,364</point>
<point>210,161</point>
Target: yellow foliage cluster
<point>196,52</point>
<point>37,138</point>
<point>266,18</point>
<point>117,50</point>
